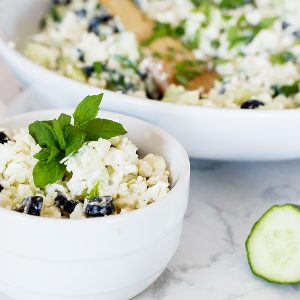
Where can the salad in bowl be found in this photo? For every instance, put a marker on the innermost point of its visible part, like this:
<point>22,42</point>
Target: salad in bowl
<point>80,205</point>
<point>77,167</point>
<point>252,46</point>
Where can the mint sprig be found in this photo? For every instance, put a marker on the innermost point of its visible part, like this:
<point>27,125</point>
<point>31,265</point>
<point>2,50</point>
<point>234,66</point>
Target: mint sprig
<point>61,137</point>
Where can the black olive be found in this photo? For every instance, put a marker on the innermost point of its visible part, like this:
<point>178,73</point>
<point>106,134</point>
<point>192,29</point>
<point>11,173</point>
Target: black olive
<point>81,12</point>
<point>252,104</point>
<point>142,75</point>
<point>66,206</point>
<point>105,18</point>
<point>276,90</point>
<point>96,21</point>
<point>80,55</point>
<point>284,25</point>
<point>1,188</point>
<point>3,138</point>
<point>153,91</point>
<point>116,29</point>
<point>31,206</point>
<point>62,2</point>
<point>296,34</point>
<point>222,89</point>
<point>88,70</point>
<point>100,207</point>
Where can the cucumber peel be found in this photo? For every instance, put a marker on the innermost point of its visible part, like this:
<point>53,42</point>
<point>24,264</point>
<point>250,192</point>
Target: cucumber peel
<point>273,245</point>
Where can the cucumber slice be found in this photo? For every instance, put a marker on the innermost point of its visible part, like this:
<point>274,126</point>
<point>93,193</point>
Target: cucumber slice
<point>273,246</point>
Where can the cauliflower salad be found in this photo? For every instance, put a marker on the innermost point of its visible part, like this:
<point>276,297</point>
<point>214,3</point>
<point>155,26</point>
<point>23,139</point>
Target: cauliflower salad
<point>252,45</point>
<point>77,168</point>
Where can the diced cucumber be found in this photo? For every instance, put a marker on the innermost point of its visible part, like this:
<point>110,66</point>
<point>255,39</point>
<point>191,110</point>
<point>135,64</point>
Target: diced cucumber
<point>273,246</point>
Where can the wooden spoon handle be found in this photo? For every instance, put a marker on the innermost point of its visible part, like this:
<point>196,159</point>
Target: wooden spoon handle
<point>171,50</point>
<point>131,17</point>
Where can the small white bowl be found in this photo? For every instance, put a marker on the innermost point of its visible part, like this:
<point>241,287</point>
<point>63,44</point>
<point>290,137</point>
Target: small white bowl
<point>209,133</point>
<point>114,257</point>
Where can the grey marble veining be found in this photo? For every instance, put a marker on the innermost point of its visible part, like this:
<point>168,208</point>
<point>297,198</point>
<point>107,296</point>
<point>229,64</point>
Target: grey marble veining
<point>225,201</point>
<point>226,198</point>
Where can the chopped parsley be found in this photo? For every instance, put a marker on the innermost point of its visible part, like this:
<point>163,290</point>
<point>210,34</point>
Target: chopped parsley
<point>188,70</point>
<point>283,57</point>
<point>165,29</point>
<point>231,4</point>
<point>244,33</point>
<point>287,90</point>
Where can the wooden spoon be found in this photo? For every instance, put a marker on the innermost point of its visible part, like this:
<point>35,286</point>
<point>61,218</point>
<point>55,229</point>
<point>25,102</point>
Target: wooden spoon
<point>135,21</point>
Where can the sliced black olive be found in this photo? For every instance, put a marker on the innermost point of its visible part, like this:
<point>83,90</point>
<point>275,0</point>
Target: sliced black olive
<point>152,89</point>
<point>81,12</point>
<point>96,21</point>
<point>116,29</point>
<point>1,188</point>
<point>142,75</point>
<point>296,34</point>
<point>88,70</point>
<point>31,206</point>
<point>100,207</point>
<point>81,55</point>
<point>66,206</point>
<point>62,2</point>
<point>284,25</point>
<point>252,104</point>
<point>3,138</point>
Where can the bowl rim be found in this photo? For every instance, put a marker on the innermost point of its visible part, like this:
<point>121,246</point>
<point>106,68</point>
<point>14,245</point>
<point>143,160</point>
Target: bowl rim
<point>184,172</point>
<point>134,100</point>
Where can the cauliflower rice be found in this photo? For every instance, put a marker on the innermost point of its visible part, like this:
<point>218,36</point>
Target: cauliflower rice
<point>253,45</point>
<point>112,166</point>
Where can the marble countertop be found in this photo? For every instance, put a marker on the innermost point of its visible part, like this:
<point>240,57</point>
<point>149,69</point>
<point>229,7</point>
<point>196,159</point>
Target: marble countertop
<point>225,200</point>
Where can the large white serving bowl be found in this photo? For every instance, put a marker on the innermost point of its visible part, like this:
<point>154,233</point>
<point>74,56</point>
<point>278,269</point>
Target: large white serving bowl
<point>222,134</point>
<point>114,257</point>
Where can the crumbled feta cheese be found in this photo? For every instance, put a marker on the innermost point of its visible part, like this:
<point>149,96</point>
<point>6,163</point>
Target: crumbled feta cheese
<point>112,166</point>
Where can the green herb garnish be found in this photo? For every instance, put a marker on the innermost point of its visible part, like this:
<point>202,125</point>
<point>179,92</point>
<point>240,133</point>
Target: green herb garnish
<point>60,138</point>
<point>231,4</point>
<point>195,41</point>
<point>188,70</point>
<point>164,29</point>
<point>244,33</point>
<point>287,90</point>
<point>54,13</point>
<point>98,67</point>
<point>283,57</point>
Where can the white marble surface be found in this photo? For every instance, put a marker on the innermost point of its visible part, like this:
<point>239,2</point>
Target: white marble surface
<point>225,201</point>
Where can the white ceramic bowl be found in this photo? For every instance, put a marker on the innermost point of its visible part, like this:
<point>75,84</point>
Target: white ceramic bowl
<point>115,257</point>
<point>222,134</point>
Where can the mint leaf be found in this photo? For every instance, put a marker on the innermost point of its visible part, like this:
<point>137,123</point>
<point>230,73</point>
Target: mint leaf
<point>47,172</point>
<point>87,110</point>
<point>64,120</point>
<point>283,57</point>
<point>230,4</point>
<point>49,154</point>
<point>244,33</point>
<point>98,67</point>
<point>59,138</point>
<point>102,128</point>
<point>161,30</point>
<point>59,134</point>
<point>74,137</point>
<point>287,90</point>
<point>43,134</point>
<point>266,23</point>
